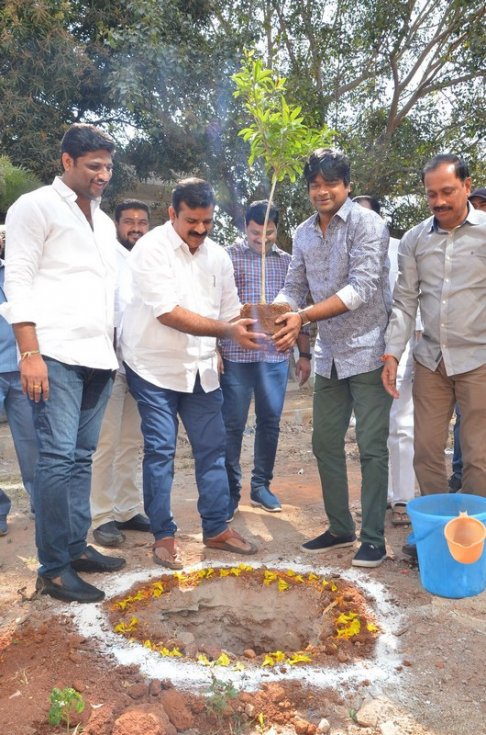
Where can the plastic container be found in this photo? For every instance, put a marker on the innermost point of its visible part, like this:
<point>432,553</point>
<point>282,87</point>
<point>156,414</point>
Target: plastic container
<point>465,538</point>
<point>440,573</point>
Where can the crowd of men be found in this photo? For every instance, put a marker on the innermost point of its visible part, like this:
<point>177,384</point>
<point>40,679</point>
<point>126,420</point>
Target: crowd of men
<point>118,332</point>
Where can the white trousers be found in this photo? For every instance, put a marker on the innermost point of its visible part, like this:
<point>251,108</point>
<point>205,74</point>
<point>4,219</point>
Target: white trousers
<point>114,492</point>
<point>401,475</point>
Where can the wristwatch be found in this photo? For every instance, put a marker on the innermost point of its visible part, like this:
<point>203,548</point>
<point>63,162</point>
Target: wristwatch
<point>304,316</point>
<point>307,355</point>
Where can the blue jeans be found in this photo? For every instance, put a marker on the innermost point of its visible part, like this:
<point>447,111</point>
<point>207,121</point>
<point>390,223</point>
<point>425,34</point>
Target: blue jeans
<point>19,416</point>
<point>200,413</point>
<point>5,504</point>
<point>67,427</point>
<point>267,381</point>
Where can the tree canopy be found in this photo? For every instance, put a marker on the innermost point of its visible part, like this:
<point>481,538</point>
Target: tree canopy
<point>398,82</point>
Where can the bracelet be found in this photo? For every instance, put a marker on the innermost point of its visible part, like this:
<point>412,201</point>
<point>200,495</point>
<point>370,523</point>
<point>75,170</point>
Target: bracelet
<point>385,357</point>
<point>307,355</point>
<point>304,317</point>
<point>29,353</point>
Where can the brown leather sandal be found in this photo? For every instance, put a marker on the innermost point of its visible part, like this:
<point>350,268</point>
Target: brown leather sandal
<point>230,540</point>
<point>166,552</point>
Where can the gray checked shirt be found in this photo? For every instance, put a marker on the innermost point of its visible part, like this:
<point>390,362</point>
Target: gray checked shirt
<point>444,272</point>
<point>351,261</point>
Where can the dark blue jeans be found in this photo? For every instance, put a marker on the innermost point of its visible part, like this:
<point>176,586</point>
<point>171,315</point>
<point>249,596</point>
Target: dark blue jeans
<point>19,416</point>
<point>267,382</point>
<point>200,413</point>
<point>67,427</point>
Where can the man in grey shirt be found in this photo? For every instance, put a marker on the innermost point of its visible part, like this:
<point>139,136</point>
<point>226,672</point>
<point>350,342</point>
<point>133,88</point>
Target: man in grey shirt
<point>340,257</point>
<point>442,267</point>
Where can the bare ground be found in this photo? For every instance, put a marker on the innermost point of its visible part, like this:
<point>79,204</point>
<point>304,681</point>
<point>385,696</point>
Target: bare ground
<point>432,678</point>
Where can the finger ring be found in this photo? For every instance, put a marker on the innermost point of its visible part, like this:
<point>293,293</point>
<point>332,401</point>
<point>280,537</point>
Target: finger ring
<point>36,385</point>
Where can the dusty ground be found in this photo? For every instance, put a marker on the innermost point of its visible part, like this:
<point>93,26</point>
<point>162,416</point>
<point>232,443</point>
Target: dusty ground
<point>432,673</point>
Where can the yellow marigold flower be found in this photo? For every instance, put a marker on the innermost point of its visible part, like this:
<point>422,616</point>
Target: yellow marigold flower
<point>223,659</point>
<point>203,659</point>
<point>313,577</point>
<point>290,573</point>
<point>299,658</point>
<point>282,585</point>
<point>239,666</point>
<point>278,656</point>
<point>148,644</point>
<point>372,627</point>
<point>333,587</point>
<point>269,577</point>
<point>224,572</point>
<point>235,571</point>
<point>268,660</point>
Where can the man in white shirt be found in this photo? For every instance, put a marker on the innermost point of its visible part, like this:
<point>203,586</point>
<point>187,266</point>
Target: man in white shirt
<point>60,278</point>
<point>116,502</point>
<point>184,298</point>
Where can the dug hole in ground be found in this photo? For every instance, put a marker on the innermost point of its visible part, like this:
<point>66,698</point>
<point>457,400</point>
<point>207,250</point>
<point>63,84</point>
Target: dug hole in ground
<point>416,667</point>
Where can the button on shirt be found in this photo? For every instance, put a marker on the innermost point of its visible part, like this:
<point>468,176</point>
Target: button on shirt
<point>349,260</point>
<point>60,275</point>
<point>247,265</point>
<point>166,275</point>
<point>444,272</point>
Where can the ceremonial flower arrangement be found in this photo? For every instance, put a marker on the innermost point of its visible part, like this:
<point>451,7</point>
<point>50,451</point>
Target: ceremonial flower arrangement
<point>340,606</point>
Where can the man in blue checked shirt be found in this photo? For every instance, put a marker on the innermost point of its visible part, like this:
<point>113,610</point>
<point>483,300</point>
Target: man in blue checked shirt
<point>263,374</point>
<point>340,257</point>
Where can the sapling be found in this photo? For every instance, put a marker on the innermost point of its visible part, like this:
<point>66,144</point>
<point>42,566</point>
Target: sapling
<point>64,703</point>
<point>277,134</point>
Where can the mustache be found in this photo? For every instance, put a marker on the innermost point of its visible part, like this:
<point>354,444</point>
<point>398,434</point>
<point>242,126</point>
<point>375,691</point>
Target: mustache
<point>192,233</point>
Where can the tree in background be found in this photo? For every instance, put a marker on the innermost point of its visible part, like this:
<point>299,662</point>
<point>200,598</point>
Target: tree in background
<point>14,181</point>
<point>400,81</point>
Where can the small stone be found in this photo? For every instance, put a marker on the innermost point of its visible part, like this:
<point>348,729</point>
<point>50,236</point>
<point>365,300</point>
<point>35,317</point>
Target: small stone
<point>249,653</point>
<point>407,662</point>
<point>155,687</point>
<point>177,710</point>
<point>342,657</point>
<point>137,691</point>
<point>324,726</point>
<point>137,723</point>
<point>300,726</point>
<point>249,709</point>
<point>440,664</point>
<point>368,713</point>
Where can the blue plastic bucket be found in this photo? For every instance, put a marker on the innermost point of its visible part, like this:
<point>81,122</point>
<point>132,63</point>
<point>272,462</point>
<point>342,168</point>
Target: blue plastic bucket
<point>440,574</point>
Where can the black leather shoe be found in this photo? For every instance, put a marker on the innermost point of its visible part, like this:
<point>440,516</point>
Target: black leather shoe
<point>92,561</point>
<point>137,523</point>
<point>71,588</point>
<point>108,535</point>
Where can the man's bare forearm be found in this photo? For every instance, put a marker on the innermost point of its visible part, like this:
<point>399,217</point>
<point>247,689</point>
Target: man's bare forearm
<point>191,323</point>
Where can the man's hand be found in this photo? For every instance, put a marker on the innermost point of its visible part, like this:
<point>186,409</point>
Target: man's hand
<point>302,370</point>
<point>286,337</point>
<point>389,376</point>
<point>34,379</point>
<point>239,332</point>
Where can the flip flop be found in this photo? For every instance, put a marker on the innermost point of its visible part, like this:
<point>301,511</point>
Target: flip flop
<point>166,552</point>
<point>230,540</point>
<point>399,516</point>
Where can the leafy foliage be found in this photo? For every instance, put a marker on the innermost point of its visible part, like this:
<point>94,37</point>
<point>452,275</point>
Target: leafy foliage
<point>64,703</point>
<point>400,81</point>
<point>14,181</point>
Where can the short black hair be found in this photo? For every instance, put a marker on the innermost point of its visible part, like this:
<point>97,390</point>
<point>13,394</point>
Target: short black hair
<point>461,168</point>
<point>82,138</point>
<point>374,203</point>
<point>193,192</point>
<point>332,165</point>
<point>130,204</point>
<point>255,212</point>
